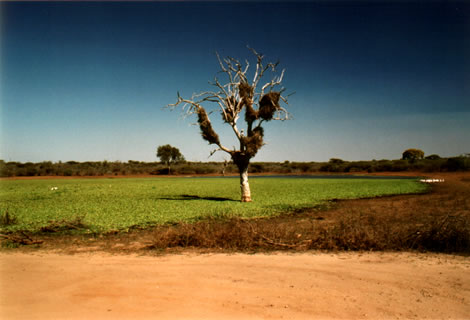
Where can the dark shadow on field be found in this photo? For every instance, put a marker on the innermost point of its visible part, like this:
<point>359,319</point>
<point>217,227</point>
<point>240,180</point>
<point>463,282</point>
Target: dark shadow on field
<point>194,197</point>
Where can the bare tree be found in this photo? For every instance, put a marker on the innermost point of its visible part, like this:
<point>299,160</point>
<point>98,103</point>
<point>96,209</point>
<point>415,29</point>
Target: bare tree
<point>259,102</point>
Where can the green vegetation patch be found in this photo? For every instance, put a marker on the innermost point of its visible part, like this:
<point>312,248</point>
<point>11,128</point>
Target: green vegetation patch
<point>102,205</point>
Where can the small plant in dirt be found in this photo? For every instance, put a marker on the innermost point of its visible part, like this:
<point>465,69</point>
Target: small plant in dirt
<point>15,239</point>
<point>450,233</point>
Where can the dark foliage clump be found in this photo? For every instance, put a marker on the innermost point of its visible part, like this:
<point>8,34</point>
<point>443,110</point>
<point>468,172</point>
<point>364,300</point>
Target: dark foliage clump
<point>254,141</point>
<point>245,91</point>
<point>241,159</point>
<point>413,155</point>
<point>251,114</point>
<point>457,164</point>
<point>268,105</point>
<point>207,132</point>
<point>227,115</point>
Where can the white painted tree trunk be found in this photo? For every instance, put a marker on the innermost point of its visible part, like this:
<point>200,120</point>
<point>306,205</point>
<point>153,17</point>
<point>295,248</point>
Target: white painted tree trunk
<point>245,186</point>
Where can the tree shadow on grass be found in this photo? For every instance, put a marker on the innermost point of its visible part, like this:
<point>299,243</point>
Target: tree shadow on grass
<point>195,197</point>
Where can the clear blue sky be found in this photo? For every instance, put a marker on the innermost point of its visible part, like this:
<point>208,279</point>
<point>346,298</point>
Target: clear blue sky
<point>88,81</point>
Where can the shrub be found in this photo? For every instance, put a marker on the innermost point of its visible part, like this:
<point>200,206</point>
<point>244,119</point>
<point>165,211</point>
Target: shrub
<point>433,157</point>
<point>457,164</point>
<point>256,168</point>
<point>399,165</point>
<point>448,234</point>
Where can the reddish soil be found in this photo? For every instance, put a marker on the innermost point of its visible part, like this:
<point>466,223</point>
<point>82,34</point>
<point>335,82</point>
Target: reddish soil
<point>220,286</point>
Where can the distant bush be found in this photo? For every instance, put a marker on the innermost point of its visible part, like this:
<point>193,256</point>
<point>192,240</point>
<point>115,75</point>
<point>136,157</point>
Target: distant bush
<point>256,168</point>
<point>433,157</point>
<point>335,165</point>
<point>461,163</point>
<point>186,169</point>
<point>400,165</point>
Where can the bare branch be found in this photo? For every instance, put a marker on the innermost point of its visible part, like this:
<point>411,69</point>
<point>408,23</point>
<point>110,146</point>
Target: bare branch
<point>273,83</point>
<point>222,67</point>
<point>247,66</point>
<point>221,148</point>
<point>214,151</point>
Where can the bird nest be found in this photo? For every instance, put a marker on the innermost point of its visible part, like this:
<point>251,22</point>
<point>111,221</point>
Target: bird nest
<point>254,141</point>
<point>240,159</point>
<point>245,90</point>
<point>250,113</point>
<point>207,131</point>
<point>268,105</point>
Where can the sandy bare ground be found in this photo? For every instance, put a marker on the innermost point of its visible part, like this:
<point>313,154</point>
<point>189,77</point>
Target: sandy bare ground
<point>239,286</point>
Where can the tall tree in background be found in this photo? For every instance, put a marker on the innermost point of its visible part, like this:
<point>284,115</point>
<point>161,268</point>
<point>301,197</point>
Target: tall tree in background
<point>168,155</point>
<point>235,98</point>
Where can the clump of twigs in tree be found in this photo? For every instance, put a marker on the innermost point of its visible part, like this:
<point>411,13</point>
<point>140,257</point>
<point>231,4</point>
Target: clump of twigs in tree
<point>240,159</point>
<point>245,91</point>
<point>254,141</point>
<point>251,114</point>
<point>268,105</point>
<point>205,125</point>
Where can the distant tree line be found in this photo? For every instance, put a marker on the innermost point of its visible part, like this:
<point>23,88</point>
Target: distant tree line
<point>431,163</point>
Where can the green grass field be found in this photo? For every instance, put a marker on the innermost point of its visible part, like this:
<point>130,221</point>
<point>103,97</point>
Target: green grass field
<point>118,204</point>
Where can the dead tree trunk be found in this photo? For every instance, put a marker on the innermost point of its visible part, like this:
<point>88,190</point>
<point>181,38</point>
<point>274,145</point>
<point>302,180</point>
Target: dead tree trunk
<point>242,161</point>
<point>244,185</point>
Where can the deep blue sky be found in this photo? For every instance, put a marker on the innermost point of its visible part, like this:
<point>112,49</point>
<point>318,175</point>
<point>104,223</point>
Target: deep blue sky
<point>87,81</point>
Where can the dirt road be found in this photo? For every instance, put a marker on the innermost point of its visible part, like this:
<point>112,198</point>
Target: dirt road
<point>238,286</point>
